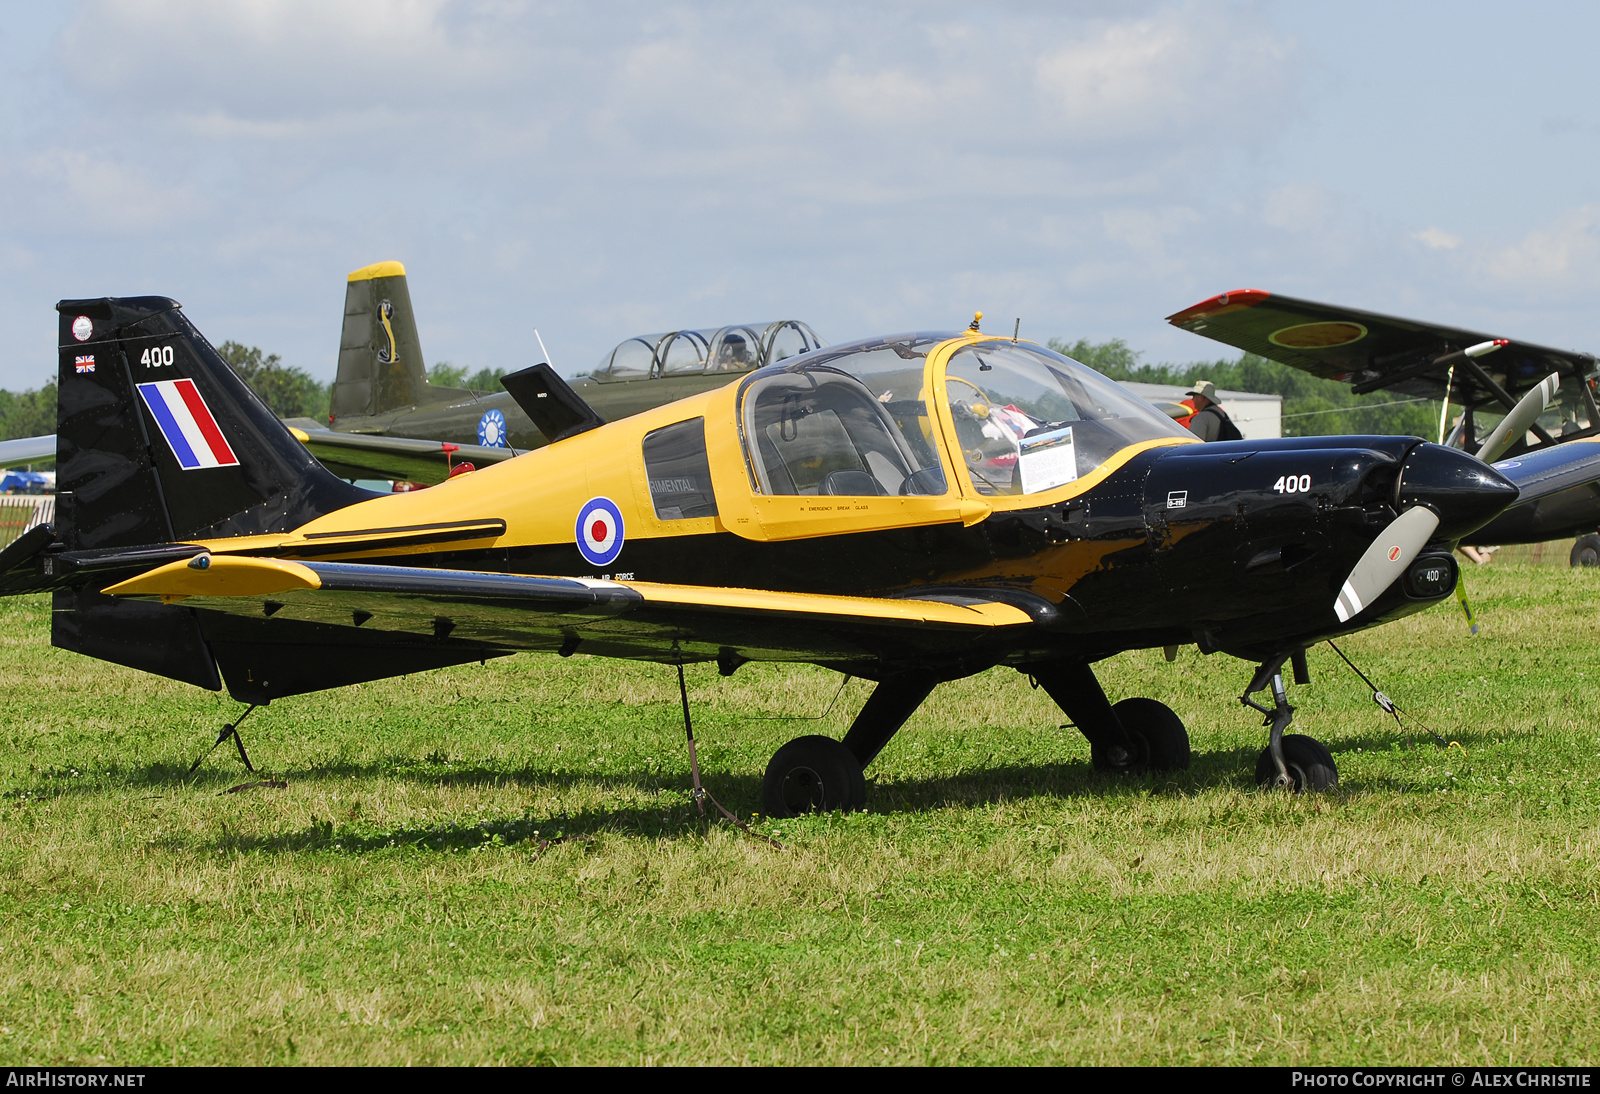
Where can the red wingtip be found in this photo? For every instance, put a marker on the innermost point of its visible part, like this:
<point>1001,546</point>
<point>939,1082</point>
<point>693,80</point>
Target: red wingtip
<point>1222,302</point>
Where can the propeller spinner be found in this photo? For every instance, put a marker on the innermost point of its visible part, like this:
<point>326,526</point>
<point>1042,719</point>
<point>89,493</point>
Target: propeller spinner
<point>1442,492</point>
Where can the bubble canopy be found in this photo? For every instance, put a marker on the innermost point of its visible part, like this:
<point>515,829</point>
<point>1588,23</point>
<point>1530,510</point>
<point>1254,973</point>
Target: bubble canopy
<point>739,347</point>
<point>855,419</point>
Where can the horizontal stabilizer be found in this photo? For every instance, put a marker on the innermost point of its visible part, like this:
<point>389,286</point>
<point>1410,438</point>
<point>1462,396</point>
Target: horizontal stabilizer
<point>557,410</point>
<point>406,459</point>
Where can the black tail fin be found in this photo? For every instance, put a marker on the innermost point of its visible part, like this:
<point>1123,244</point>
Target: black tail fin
<point>380,357</point>
<point>158,440</point>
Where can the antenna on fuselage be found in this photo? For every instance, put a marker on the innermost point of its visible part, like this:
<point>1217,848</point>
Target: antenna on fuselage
<point>542,350</point>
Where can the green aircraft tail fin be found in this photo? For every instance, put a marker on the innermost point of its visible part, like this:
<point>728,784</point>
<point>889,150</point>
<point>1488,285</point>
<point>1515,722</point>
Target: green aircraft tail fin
<point>380,357</point>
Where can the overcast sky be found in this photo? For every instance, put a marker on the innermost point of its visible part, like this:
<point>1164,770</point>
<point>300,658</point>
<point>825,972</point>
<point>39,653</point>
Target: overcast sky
<point>601,169</point>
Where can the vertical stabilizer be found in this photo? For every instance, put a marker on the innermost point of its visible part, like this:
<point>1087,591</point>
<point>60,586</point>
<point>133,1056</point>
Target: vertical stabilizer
<point>158,440</point>
<point>380,357</point>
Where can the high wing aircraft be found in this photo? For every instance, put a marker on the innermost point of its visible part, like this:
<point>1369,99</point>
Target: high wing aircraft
<point>388,421</point>
<point>907,509</point>
<point>1544,393</point>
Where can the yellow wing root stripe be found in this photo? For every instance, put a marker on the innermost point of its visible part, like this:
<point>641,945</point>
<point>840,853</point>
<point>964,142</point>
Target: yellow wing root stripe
<point>377,270</point>
<point>858,607</point>
<point>223,577</point>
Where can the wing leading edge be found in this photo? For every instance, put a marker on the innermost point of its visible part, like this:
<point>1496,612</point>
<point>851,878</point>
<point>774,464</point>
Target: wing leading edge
<point>639,620</point>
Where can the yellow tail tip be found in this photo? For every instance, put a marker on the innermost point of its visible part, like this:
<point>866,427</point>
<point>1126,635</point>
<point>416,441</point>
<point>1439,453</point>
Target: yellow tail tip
<point>376,270</point>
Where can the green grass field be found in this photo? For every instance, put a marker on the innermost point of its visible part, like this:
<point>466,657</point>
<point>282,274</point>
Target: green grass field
<point>407,899</point>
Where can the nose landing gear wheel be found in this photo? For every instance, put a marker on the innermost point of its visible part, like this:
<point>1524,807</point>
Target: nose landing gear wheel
<point>812,774</point>
<point>1166,742</point>
<point>1310,765</point>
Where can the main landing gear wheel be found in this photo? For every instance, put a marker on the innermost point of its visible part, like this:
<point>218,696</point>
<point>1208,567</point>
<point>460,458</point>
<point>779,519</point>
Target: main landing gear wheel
<point>1586,552</point>
<point>1310,765</point>
<point>1160,731</point>
<point>812,774</point>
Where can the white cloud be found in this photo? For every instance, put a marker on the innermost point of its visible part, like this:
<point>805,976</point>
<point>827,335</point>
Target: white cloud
<point>1299,207</point>
<point>1566,254</point>
<point>1193,67</point>
<point>1437,239</point>
<point>79,191</point>
<point>604,167</point>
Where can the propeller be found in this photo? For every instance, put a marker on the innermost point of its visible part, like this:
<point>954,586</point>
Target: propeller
<point>1385,560</point>
<point>1504,435</point>
<point>1523,415</point>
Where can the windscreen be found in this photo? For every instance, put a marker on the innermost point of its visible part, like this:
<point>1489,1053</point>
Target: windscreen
<point>1029,420</point>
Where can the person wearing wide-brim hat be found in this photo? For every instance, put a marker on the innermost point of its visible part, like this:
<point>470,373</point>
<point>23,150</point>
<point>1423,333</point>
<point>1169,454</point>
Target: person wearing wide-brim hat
<point>1210,421</point>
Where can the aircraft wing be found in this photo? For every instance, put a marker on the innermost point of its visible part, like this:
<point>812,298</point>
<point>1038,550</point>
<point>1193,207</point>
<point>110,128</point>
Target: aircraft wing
<point>1371,351</point>
<point>633,619</point>
<point>26,450</point>
<point>369,456</point>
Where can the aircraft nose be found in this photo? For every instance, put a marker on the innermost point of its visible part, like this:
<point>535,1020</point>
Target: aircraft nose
<point>1466,492</point>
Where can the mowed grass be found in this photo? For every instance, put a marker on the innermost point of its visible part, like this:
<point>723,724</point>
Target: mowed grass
<point>998,902</point>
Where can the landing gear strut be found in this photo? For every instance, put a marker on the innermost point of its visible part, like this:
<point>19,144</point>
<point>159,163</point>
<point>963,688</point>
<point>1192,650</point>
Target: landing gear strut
<point>818,774</point>
<point>1135,735</point>
<point>1295,762</point>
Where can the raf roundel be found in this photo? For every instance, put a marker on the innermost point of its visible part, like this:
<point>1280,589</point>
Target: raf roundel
<point>82,328</point>
<point>492,429</point>
<point>599,531</point>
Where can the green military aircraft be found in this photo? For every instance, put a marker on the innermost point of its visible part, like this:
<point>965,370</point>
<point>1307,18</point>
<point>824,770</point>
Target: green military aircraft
<point>387,421</point>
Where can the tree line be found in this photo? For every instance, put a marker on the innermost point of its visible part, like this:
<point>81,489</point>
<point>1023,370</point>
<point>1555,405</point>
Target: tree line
<point>289,392</point>
<point>1311,406</point>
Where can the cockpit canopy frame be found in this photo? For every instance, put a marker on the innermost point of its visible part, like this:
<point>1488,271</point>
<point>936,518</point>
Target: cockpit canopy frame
<point>897,416</point>
<point>733,349</point>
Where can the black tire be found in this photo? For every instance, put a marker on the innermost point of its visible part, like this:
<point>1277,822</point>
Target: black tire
<point>1166,741</point>
<point>1585,552</point>
<point>812,774</point>
<point>1310,765</point>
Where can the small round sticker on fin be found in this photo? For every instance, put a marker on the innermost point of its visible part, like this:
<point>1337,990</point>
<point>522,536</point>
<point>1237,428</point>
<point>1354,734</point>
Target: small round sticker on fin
<point>82,328</point>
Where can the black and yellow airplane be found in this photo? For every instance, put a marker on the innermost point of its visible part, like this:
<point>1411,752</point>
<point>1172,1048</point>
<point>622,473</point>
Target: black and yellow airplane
<point>1514,402</point>
<point>388,421</point>
<point>907,509</point>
